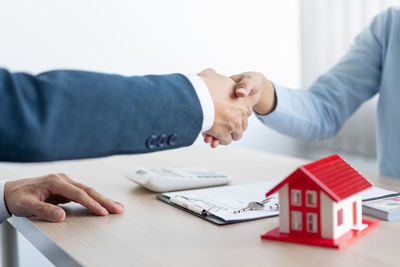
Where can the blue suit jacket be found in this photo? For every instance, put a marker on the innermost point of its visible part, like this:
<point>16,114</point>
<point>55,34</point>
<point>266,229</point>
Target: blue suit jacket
<point>74,114</point>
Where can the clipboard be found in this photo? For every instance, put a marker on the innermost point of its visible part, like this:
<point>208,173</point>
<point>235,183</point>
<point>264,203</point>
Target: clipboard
<point>219,204</point>
<point>210,217</point>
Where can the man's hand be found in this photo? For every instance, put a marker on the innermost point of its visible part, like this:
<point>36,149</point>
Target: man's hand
<point>39,197</point>
<point>231,112</point>
<point>258,88</point>
<point>258,92</point>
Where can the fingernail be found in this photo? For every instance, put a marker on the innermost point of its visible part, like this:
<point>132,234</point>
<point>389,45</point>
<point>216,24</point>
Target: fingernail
<point>119,203</point>
<point>242,90</point>
<point>58,214</point>
<point>104,211</point>
<point>118,207</point>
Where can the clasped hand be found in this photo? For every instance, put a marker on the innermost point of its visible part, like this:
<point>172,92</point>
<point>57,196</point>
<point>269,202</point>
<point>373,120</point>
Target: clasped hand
<point>234,99</point>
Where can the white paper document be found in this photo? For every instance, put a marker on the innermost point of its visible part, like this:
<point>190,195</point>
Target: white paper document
<point>377,193</point>
<point>223,201</point>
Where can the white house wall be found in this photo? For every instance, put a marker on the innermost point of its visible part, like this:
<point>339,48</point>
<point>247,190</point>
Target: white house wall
<point>347,205</point>
<point>284,209</point>
<point>329,208</point>
<point>326,216</point>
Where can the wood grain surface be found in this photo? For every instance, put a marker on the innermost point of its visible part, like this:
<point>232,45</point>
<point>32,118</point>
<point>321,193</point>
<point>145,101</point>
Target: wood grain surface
<point>152,233</point>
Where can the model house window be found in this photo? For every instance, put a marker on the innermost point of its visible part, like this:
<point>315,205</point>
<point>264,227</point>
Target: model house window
<point>295,197</point>
<point>312,222</point>
<point>311,198</point>
<point>340,217</point>
<point>296,220</point>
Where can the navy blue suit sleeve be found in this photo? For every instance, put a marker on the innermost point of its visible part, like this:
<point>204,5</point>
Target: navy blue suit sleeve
<point>74,114</point>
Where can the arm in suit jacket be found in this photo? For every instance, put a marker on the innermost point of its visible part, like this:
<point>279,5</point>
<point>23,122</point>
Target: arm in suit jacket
<point>74,114</point>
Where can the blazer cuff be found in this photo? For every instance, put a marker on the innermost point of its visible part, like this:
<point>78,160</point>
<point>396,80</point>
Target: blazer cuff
<point>4,215</point>
<point>206,102</point>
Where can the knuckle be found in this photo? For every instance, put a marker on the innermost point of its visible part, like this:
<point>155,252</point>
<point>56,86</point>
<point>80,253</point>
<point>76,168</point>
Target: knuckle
<point>64,177</point>
<point>80,195</point>
<point>54,179</point>
<point>243,111</point>
<point>237,123</point>
<point>227,140</point>
<point>51,176</point>
<point>252,74</point>
<point>237,137</point>
<point>245,122</point>
<point>91,191</point>
<point>41,209</point>
<point>80,185</point>
<point>224,139</point>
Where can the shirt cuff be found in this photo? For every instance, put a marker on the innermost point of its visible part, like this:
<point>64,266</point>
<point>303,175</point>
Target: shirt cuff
<point>4,215</point>
<point>282,108</point>
<point>206,101</point>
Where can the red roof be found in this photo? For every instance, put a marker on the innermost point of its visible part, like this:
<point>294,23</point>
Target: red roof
<point>333,175</point>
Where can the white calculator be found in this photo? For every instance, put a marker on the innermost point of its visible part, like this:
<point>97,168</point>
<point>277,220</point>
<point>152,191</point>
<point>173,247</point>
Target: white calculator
<point>172,179</point>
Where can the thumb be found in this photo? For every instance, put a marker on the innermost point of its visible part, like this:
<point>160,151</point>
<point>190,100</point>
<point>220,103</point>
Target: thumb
<point>47,211</point>
<point>244,87</point>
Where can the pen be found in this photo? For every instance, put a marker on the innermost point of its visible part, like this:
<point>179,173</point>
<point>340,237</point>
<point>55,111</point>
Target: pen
<point>182,202</point>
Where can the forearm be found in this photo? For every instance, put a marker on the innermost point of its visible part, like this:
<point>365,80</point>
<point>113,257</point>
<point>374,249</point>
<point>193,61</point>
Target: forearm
<point>320,112</point>
<point>301,114</point>
<point>72,114</point>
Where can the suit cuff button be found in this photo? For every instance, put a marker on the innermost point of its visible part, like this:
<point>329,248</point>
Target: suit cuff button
<point>172,139</point>
<point>162,140</point>
<point>152,142</point>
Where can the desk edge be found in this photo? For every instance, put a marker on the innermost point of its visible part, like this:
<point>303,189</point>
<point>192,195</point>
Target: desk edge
<point>43,243</point>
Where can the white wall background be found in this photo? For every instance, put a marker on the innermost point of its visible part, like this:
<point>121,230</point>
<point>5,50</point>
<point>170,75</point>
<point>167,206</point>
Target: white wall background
<point>153,36</point>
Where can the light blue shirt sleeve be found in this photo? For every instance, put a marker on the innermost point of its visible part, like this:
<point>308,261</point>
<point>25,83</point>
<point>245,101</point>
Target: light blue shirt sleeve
<point>320,112</point>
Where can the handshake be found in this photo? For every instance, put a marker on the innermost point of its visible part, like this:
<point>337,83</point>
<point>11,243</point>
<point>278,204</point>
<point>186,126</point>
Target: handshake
<point>234,99</point>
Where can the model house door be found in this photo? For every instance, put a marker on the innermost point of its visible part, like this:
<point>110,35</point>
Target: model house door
<point>354,213</point>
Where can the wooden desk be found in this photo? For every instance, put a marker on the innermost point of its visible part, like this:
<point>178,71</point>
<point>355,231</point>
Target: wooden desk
<point>152,233</point>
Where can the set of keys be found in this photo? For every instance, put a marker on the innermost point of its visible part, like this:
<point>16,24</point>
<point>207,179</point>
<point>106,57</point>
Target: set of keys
<point>258,205</point>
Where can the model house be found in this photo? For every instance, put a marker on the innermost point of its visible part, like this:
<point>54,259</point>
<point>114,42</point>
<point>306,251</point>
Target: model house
<point>320,204</point>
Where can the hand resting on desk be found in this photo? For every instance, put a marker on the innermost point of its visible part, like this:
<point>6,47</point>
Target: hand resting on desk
<point>40,196</point>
